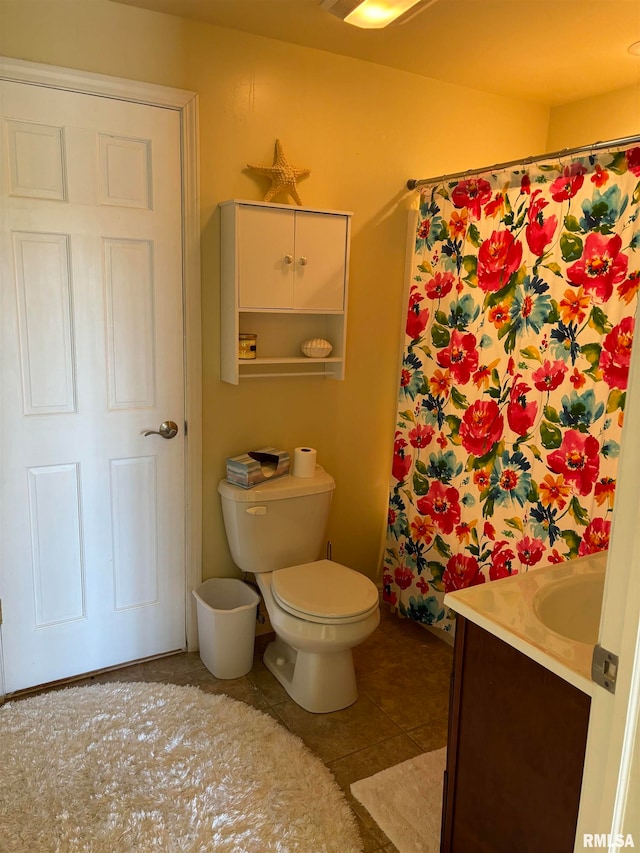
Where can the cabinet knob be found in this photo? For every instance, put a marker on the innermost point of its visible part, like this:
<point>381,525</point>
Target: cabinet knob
<point>303,261</point>
<point>288,259</point>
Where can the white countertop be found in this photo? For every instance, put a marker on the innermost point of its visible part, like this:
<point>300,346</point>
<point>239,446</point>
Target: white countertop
<point>505,608</point>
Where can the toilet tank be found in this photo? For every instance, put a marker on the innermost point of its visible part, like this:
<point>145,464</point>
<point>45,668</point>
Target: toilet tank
<point>279,523</point>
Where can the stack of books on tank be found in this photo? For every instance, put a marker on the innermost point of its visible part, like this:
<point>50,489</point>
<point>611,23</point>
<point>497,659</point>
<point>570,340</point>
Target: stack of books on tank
<point>257,466</point>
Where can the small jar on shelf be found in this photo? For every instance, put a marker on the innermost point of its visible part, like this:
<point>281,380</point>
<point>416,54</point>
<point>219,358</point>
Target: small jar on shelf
<point>247,345</point>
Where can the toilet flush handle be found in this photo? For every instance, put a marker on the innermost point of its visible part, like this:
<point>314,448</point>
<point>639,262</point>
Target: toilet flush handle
<point>257,510</point>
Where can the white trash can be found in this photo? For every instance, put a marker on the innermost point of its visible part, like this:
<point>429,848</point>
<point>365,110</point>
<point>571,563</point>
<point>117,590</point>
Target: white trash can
<point>226,626</point>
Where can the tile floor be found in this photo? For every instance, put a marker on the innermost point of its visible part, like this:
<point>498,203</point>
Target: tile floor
<point>403,677</point>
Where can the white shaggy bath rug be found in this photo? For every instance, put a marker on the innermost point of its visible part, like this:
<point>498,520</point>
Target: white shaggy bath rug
<point>406,801</point>
<point>132,768</point>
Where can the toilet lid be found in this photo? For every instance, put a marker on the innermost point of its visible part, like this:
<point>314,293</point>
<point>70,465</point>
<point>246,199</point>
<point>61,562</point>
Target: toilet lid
<point>324,591</point>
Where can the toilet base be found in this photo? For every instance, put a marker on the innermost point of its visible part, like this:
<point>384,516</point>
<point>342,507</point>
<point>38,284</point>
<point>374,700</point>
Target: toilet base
<point>319,683</point>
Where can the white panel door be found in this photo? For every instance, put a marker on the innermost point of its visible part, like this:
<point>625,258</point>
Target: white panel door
<point>265,258</point>
<point>320,261</point>
<point>92,570</point>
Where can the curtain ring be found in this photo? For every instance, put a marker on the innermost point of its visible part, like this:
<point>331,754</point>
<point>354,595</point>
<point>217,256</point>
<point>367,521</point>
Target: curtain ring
<point>562,153</point>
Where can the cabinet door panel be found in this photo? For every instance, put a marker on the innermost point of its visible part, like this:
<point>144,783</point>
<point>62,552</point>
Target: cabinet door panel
<point>265,239</point>
<point>320,261</point>
<point>515,754</point>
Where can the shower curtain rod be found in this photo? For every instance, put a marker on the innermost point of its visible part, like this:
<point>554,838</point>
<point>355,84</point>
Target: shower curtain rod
<point>413,184</point>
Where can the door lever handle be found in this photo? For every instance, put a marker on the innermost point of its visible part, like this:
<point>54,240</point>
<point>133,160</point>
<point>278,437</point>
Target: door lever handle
<point>168,429</point>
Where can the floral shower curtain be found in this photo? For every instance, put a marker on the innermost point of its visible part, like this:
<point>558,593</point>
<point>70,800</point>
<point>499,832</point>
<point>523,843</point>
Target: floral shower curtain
<point>519,327</point>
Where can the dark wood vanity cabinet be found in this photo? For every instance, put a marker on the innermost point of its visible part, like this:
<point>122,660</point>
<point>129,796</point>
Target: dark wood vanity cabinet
<point>517,736</point>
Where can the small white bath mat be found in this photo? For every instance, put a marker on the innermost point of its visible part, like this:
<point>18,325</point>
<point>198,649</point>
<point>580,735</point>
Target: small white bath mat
<point>135,768</point>
<point>406,801</point>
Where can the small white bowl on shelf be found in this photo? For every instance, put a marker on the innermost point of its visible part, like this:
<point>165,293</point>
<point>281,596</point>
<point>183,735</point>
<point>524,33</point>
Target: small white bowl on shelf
<point>316,348</point>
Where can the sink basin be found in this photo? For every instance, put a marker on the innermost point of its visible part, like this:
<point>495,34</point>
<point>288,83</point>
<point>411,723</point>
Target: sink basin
<point>571,607</point>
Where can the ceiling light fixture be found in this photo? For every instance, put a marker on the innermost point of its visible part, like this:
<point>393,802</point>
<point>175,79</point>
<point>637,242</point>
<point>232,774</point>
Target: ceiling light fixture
<point>373,14</point>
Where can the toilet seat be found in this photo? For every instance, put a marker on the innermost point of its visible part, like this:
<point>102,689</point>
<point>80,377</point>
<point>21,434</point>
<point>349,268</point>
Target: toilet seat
<point>325,592</point>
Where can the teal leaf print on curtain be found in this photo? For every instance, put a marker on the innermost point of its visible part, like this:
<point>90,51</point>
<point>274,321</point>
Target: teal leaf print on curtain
<point>520,321</point>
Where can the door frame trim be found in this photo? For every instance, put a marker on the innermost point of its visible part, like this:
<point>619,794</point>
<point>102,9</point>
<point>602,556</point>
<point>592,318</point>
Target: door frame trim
<point>186,104</point>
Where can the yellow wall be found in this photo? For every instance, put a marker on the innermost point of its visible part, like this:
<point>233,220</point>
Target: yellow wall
<point>363,130</point>
<point>611,116</point>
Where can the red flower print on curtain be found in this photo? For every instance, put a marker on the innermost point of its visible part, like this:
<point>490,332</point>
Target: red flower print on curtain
<point>519,331</point>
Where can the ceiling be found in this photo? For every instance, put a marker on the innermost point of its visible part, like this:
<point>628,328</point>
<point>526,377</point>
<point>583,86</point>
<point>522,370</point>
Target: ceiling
<point>549,51</point>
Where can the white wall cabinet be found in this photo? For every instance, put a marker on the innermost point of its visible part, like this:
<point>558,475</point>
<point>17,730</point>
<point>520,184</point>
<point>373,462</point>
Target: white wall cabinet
<point>284,274</point>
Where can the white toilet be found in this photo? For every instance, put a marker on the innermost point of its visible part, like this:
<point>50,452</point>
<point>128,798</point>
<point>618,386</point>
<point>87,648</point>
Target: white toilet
<point>318,609</point>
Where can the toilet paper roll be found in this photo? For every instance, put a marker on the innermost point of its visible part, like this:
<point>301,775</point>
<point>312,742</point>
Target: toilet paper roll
<point>304,462</point>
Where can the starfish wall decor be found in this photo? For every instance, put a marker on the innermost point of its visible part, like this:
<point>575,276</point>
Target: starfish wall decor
<point>282,174</point>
